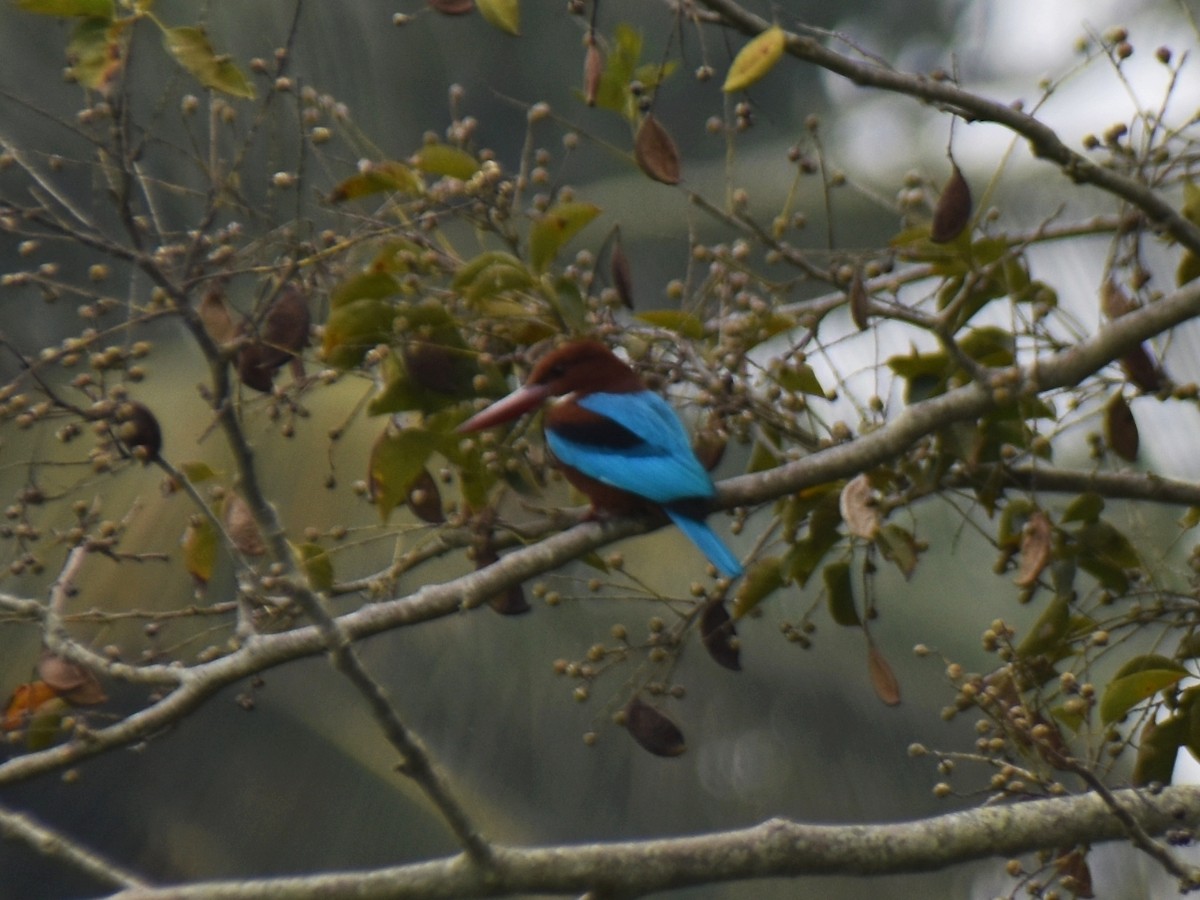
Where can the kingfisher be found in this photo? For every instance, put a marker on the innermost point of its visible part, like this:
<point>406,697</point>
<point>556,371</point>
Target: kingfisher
<point>615,440</point>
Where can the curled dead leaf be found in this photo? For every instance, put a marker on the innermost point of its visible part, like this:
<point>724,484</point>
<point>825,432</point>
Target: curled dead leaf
<point>74,683</point>
<point>241,527</point>
<point>215,316</point>
<point>860,508</point>
<point>1036,549</point>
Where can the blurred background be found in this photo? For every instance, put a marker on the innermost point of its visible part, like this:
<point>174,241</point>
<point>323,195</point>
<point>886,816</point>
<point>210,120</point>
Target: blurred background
<point>304,782</point>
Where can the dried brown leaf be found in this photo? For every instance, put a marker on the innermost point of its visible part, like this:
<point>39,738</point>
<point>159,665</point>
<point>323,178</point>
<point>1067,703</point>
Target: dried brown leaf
<point>1142,370</point>
<point>860,508</point>
<point>139,430</point>
<point>593,70</point>
<point>425,500</point>
<point>452,7</point>
<point>859,301</point>
<point>1120,428</point>
<point>622,275</point>
<point>719,636</point>
<point>655,151</point>
<point>653,730</point>
<point>952,214</point>
<point>215,316</point>
<point>1036,549</point>
<point>241,527</point>
<point>883,679</point>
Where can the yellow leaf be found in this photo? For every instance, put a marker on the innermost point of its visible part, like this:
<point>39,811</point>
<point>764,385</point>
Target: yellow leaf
<point>442,159</point>
<point>502,14</point>
<point>200,550</point>
<point>191,48</point>
<point>756,59</point>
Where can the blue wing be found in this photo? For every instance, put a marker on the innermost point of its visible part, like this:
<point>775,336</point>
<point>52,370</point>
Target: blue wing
<point>642,449</point>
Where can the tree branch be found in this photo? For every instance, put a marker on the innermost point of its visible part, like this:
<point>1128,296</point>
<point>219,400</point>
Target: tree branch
<point>778,848</point>
<point>1043,140</point>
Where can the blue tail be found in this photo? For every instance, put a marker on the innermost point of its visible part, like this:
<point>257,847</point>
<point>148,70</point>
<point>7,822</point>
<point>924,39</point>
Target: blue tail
<point>710,545</point>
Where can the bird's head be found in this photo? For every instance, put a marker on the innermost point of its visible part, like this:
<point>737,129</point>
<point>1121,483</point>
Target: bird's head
<point>582,367</point>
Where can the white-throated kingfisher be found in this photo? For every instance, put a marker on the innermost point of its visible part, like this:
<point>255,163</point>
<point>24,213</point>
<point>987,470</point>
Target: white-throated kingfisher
<point>615,440</point>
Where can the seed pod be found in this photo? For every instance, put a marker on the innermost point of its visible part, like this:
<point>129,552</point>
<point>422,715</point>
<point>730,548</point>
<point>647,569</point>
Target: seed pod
<point>138,430</point>
<point>655,151</point>
<point>719,636</point>
<point>653,730</point>
<point>953,211</point>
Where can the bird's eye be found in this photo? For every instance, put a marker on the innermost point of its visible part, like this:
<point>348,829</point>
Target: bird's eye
<point>556,372</point>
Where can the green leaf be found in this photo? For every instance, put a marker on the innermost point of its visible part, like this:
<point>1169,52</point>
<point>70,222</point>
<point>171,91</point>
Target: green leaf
<point>625,50</point>
<point>898,546</point>
<point>555,228</point>
<point>353,329</point>
<point>1138,680</point>
<point>799,377</point>
<point>200,549</point>
<point>1048,635</point>
<point>839,593</point>
<point>763,578</point>
<point>397,461</point>
<point>190,46</point>
<point>95,53</point>
<point>376,178</point>
<point>502,14</point>
<point>45,725</point>
<point>99,9</point>
<point>490,274</point>
<point>317,565</point>
<point>1158,749</point>
<point>989,346</point>
<point>365,286</point>
<point>683,323</point>
<point>1084,508</point>
<point>446,161</point>
<point>196,472</point>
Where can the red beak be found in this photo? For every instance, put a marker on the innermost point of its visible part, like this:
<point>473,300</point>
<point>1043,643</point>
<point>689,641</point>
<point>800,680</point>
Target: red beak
<point>519,402</point>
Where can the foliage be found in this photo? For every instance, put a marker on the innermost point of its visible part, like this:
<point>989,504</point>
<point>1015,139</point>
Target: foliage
<point>438,271</point>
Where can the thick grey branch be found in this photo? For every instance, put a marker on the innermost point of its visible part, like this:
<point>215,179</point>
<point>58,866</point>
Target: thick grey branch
<point>774,849</point>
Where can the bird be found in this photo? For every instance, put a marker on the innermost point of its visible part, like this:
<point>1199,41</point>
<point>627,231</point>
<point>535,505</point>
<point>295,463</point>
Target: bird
<point>615,440</point>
